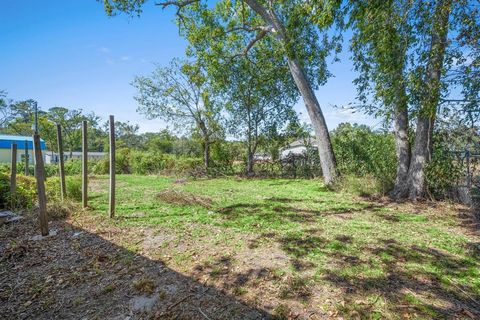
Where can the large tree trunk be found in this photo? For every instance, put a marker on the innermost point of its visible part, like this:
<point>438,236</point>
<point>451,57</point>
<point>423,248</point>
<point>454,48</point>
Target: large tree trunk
<point>420,158</point>
<point>402,145</point>
<point>206,154</point>
<point>426,117</point>
<point>250,163</point>
<point>325,150</point>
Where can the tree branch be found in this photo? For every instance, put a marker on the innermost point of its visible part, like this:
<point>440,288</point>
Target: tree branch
<point>179,4</point>
<point>260,35</point>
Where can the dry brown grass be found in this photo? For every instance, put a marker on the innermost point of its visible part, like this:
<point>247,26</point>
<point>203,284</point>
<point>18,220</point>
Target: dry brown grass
<point>144,285</point>
<point>183,198</point>
<point>58,211</point>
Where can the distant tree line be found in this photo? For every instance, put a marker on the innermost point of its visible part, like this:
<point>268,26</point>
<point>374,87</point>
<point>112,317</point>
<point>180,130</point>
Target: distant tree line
<point>198,133</point>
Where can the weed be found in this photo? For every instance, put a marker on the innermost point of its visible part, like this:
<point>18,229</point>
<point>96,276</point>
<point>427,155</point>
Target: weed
<point>144,285</point>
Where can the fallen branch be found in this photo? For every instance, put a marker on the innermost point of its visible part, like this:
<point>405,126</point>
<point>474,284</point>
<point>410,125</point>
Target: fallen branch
<point>203,314</point>
<point>176,304</point>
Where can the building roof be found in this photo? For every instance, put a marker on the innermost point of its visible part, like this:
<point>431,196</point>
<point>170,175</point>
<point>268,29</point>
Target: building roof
<point>90,153</point>
<point>301,143</point>
<point>6,141</point>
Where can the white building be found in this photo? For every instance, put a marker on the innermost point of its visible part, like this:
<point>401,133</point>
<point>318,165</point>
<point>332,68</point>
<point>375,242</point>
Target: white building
<point>52,157</point>
<point>298,147</point>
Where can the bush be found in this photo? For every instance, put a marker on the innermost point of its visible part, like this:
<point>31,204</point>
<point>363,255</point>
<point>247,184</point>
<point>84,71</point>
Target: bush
<point>51,170</point>
<point>362,152</point>
<point>443,174</point>
<point>147,162</point>
<point>73,167</point>
<point>122,161</point>
<point>186,166</point>
<point>25,193</point>
<point>73,188</point>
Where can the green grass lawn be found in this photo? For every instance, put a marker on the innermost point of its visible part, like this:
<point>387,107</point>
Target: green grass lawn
<point>293,246</point>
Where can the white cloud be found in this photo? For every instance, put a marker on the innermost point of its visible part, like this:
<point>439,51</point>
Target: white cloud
<point>104,50</point>
<point>125,58</point>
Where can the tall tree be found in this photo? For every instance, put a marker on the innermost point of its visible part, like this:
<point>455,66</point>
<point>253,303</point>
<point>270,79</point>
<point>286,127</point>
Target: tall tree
<point>6,111</point>
<point>261,96</point>
<point>303,42</point>
<point>127,134</point>
<point>429,99</point>
<point>180,93</point>
<point>414,80</point>
<point>380,40</point>
<point>71,122</point>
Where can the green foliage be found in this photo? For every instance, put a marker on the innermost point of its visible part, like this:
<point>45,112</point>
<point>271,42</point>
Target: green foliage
<point>26,191</point>
<point>24,196</point>
<point>122,161</point>
<point>148,162</point>
<point>73,186</point>
<point>73,167</point>
<point>181,94</point>
<point>222,155</point>
<point>365,186</point>
<point>101,166</point>
<point>363,152</point>
<point>443,174</point>
<point>51,170</point>
<point>305,165</point>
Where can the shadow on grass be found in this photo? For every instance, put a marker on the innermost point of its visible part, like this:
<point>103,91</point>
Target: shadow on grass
<point>429,289</point>
<point>410,279</point>
<point>272,211</point>
<point>77,274</point>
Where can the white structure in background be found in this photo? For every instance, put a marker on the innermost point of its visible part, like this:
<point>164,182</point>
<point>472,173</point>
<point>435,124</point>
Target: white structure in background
<point>52,157</point>
<point>262,157</point>
<point>298,147</point>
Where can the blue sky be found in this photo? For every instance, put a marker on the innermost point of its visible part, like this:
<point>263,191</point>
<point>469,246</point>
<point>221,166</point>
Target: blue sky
<point>71,54</point>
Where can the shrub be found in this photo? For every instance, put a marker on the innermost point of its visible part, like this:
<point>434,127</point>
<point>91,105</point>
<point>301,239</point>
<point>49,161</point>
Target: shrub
<point>102,166</point>
<point>25,192</point>
<point>73,188</point>
<point>443,174</point>
<point>362,152</point>
<point>51,170</point>
<point>186,166</point>
<point>221,156</point>
<point>147,162</point>
<point>122,161</point>
<point>56,210</point>
<point>73,167</point>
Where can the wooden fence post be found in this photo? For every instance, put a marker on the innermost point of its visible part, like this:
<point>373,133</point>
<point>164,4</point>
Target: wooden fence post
<point>40,177</point>
<point>26,159</point>
<point>112,168</point>
<point>13,173</point>
<point>84,165</point>
<point>63,187</point>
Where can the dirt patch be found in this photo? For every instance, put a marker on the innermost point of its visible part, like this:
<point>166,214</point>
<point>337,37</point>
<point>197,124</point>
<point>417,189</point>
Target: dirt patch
<point>184,198</point>
<point>77,274</point>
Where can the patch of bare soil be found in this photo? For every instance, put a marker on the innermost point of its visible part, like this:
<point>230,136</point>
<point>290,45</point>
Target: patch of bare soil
<point>183,198</point>
<point>79,274</point>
